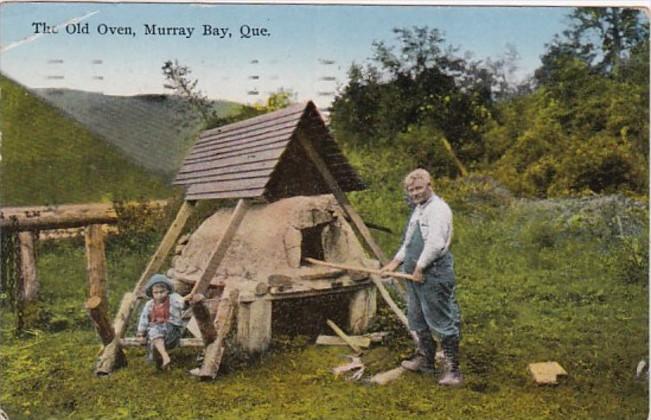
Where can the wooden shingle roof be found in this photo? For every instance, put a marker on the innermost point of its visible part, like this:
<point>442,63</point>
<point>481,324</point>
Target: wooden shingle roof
<point>262,157</point>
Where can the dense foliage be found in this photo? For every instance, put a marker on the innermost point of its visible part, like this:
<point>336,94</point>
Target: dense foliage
<point>580,125</point>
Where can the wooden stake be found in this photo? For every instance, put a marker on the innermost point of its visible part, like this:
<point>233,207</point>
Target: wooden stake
<point>223,322</point>
<point>343,336</point>
<point>219,252</point>
<point>184,342</point>
<point>30,285</point>
<point>98,313</point>
<point>203,316</point>
<point>107,361</point>
<point>96,264</point>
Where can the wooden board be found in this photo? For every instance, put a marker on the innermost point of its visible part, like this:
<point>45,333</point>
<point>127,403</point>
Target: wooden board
<point>333,340</point>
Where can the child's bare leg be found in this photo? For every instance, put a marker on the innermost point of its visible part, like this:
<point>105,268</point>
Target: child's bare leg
<point>159,344</point>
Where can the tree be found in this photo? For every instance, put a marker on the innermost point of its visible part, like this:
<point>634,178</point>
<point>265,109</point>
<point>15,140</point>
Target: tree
<point>605,38</point>
<point>177,78</point>
<point>416,82</point>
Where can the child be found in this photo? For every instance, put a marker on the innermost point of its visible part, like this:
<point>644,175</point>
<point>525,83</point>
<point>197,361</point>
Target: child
<point>160,321</point>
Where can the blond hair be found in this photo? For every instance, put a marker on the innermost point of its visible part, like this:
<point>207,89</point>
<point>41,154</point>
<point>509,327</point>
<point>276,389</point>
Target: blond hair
<point>416,175</point>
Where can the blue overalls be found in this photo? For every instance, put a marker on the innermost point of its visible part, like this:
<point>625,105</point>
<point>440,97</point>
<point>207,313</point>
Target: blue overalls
<point>432,304</point>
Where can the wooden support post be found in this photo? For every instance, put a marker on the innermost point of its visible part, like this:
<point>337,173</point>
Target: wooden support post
<point>107,360</point>
<point>96,264</point>
<point>203,314</point>
<point>343,336</point>
<point>254,325</point>
<point>358,224</point>
<point>219,252</point>
<point>97,311</point>
<point>361,310</point>
<point>29,287</point>
<point>223,322</point>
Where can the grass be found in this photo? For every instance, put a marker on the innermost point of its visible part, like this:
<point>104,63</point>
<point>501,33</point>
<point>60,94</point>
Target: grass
<point>50,159</point>
<point>535,284</point>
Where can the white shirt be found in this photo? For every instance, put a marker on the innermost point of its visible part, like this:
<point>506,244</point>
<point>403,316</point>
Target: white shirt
<point>435,220</point>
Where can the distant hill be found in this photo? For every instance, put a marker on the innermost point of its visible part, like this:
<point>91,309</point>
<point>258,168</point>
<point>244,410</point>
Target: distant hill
<point>47,158</point>
<point>151,130</point>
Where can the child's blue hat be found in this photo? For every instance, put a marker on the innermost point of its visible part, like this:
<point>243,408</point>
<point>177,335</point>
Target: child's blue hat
<point>158,279</point>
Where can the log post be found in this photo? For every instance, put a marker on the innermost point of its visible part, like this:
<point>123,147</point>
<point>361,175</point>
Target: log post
<point>29,287</point>
<point>254,325</point>
<point>223,322</point>
<point>361,310</point>
<point>96,264</point>
<point>97,311</point>
<point>203,315</point>
<point>107,361</point>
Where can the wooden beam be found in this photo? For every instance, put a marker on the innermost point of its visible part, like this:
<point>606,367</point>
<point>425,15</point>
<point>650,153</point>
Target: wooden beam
<point>223,322</point>
<point>98,314</point>
<point>29,285</point>
<point>60,216</point>
<point>219,252</point>
<point>184,342</point>
<point>107,361</point>
<point>203,315</point>
<point>96,264</point>
<point>359,269</point>
<point>358,224</point>
<point>343,336</point>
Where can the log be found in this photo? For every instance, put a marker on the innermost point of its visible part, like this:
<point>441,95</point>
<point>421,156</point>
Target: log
<point>112,357</point>
<point>29,287</point>
<point>98,314</point>
<point>360,269</point>
<point>203,317</point>
<point>61,216</point>
<point>96,265</point>
<point>223,322</point>
<point>107,361</point>
<point>220,250</point>
<point>185,342</point>
<point>343,336</point>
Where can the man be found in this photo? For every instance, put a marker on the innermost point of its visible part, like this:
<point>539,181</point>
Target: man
<point>432,305</point>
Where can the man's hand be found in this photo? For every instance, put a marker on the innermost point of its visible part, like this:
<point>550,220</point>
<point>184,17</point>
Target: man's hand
<point>418,274</point>
<point>390,267</point>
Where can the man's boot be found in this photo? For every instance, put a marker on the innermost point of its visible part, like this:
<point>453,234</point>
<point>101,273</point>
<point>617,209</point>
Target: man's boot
<point>423,361</point>
<point>453,375</point>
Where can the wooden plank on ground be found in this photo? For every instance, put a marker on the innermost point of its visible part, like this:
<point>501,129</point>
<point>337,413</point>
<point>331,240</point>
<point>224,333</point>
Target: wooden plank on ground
<point>333,340</point>
<point>343,336</point>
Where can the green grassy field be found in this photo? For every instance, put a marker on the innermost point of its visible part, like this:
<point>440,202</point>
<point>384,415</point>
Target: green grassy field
<point>153,131</point>
<point>537,281</point>
<point>50,159</point>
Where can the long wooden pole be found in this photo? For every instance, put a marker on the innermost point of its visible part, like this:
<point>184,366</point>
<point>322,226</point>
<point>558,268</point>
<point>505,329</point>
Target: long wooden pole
<point>361,269</point>
<point>223,322</point>
<point>107,361</point>
<point>219,252</point>
<point>30,285</point>
<point>358,224</point>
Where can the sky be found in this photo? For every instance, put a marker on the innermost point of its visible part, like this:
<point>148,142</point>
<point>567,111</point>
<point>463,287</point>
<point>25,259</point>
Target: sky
<point>304,48</point>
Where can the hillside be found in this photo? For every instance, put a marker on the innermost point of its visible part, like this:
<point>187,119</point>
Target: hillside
<point>150,130</point>
<point>46,158</point>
